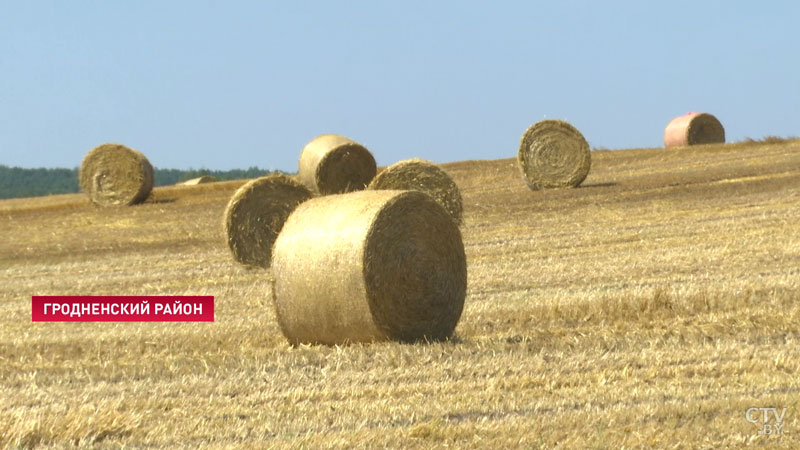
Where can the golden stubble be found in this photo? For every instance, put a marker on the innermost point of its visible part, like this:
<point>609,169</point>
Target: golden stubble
<point>650,307</point>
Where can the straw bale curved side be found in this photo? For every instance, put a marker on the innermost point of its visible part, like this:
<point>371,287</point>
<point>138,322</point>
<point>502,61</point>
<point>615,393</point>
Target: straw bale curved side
<point>113,174</point>
<point>369,266</point>
<point>256,213</point>
<point>694,129</point>
<point>553,154</point>
<point>333,164</point>
<point>424,176</point>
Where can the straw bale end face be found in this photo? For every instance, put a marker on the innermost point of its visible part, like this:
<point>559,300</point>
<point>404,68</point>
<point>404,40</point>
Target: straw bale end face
<point>424,176</point>
<point>553,154</point>
<point>369,266</point>
<point>113,174</point>
<point>333,164</point>
<point>256,214</point>
<point>694,129</point>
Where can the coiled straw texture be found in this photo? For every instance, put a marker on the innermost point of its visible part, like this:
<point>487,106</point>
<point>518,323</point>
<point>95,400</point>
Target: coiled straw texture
<point>256,213</point>
<point>114,175</point>
<point>553,154</point>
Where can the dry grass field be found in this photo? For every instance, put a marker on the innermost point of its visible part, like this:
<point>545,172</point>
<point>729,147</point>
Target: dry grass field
<point>650,307</point>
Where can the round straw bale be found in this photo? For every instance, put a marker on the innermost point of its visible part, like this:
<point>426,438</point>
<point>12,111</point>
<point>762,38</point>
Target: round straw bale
<point>369,266</point>
<point>200,180</point>
<point>553,154</point>
<point>424,176</point>
<point>256,213</point>
<point>113,174</point>
<point>694,129</point>
<point>333,164</point>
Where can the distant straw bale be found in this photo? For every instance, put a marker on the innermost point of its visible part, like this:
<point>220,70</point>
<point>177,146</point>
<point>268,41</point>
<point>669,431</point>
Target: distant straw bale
<point>424,176</point>
<point>256,213</point>
<point>694,129</point>
<point>200,180</point>
<point>333,164</point>
<point>113,174</point>
<point>553,154</point>
<point>369,266</point>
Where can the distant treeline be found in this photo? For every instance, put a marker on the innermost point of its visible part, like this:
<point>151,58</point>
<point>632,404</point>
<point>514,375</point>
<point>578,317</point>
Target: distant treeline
<point>19,182</point>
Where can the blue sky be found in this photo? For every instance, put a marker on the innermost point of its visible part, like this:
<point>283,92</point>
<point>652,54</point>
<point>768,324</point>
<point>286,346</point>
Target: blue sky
<point>221,85</point>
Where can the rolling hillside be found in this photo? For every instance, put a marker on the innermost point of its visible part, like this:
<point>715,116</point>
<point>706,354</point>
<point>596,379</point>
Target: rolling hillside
<point>652,306</point>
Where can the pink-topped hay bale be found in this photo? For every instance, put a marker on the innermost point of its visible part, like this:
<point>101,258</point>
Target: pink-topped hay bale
<point>369,266</point>
<point>333,164</point>
<point>694,129</point>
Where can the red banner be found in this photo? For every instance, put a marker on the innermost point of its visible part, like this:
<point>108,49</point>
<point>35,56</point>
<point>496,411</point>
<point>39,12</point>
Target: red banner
<point>77,308</point>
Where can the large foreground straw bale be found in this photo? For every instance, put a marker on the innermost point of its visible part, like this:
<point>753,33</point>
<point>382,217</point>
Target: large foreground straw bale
<point>256,213</point>
<point>369,266</point>
<point>694,129</point>
<point>333,164</point>
<point>553,154</point>
<point>113,174</point>
<point>424,176</point>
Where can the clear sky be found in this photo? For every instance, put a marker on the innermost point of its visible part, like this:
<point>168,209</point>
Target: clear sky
<point>221,85</point>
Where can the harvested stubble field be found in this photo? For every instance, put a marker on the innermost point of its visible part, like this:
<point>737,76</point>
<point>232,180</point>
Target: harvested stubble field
<point>650,307</point>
